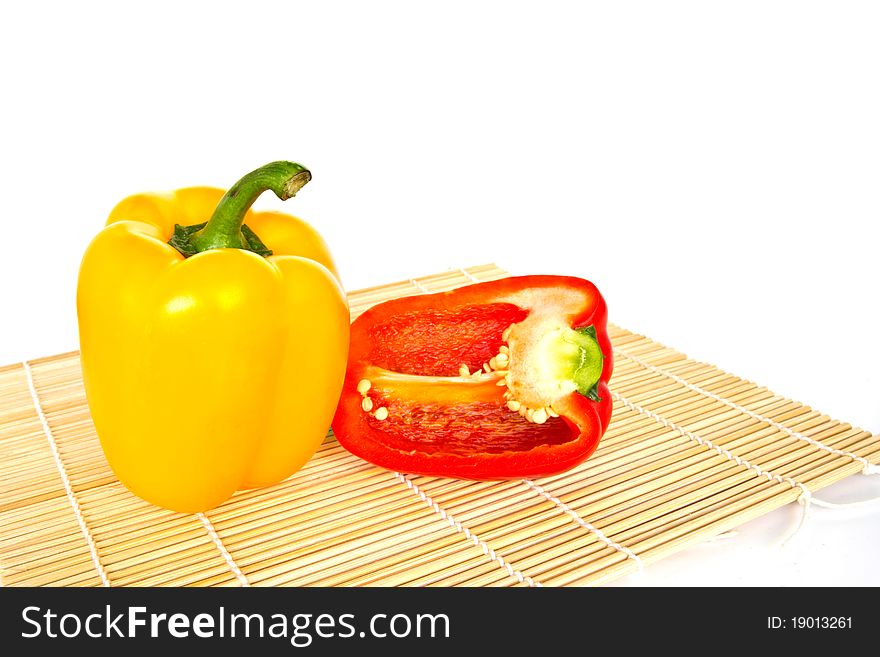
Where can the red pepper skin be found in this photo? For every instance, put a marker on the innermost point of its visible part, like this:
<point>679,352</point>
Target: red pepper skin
<point>440,423</point>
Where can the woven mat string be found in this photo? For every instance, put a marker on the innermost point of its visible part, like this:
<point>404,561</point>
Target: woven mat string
<point>467,533</point>
<point>846,505</point>
<point>65,480</point>
<point>805,500</point>
<point>586,525</point>
<point>224,552</point>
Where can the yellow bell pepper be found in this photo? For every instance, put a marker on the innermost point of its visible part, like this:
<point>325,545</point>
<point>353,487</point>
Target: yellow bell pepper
<point>213,355</point>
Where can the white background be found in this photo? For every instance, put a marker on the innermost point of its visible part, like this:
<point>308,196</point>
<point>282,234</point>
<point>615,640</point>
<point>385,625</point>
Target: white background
<point>712,167</point>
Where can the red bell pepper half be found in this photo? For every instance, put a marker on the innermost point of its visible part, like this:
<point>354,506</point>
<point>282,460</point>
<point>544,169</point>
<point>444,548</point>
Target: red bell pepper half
<point>498,380</point>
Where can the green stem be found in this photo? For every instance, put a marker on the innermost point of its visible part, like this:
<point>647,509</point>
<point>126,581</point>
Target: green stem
<point>224,228</point>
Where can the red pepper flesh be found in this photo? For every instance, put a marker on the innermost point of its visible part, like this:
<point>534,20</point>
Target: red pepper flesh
<point>498,380</point>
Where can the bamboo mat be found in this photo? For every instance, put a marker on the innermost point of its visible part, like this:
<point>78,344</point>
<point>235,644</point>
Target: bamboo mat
<point>691,452</point>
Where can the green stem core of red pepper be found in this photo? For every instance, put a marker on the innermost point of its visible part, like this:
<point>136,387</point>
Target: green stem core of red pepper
<point>226,229</point>
<point>588,365</point>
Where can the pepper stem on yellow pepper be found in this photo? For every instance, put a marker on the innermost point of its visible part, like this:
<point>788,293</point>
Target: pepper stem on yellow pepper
<point>226,229</point>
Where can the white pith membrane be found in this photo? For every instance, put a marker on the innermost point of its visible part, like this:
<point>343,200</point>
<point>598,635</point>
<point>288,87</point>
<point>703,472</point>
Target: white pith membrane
<point>539,351</point>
